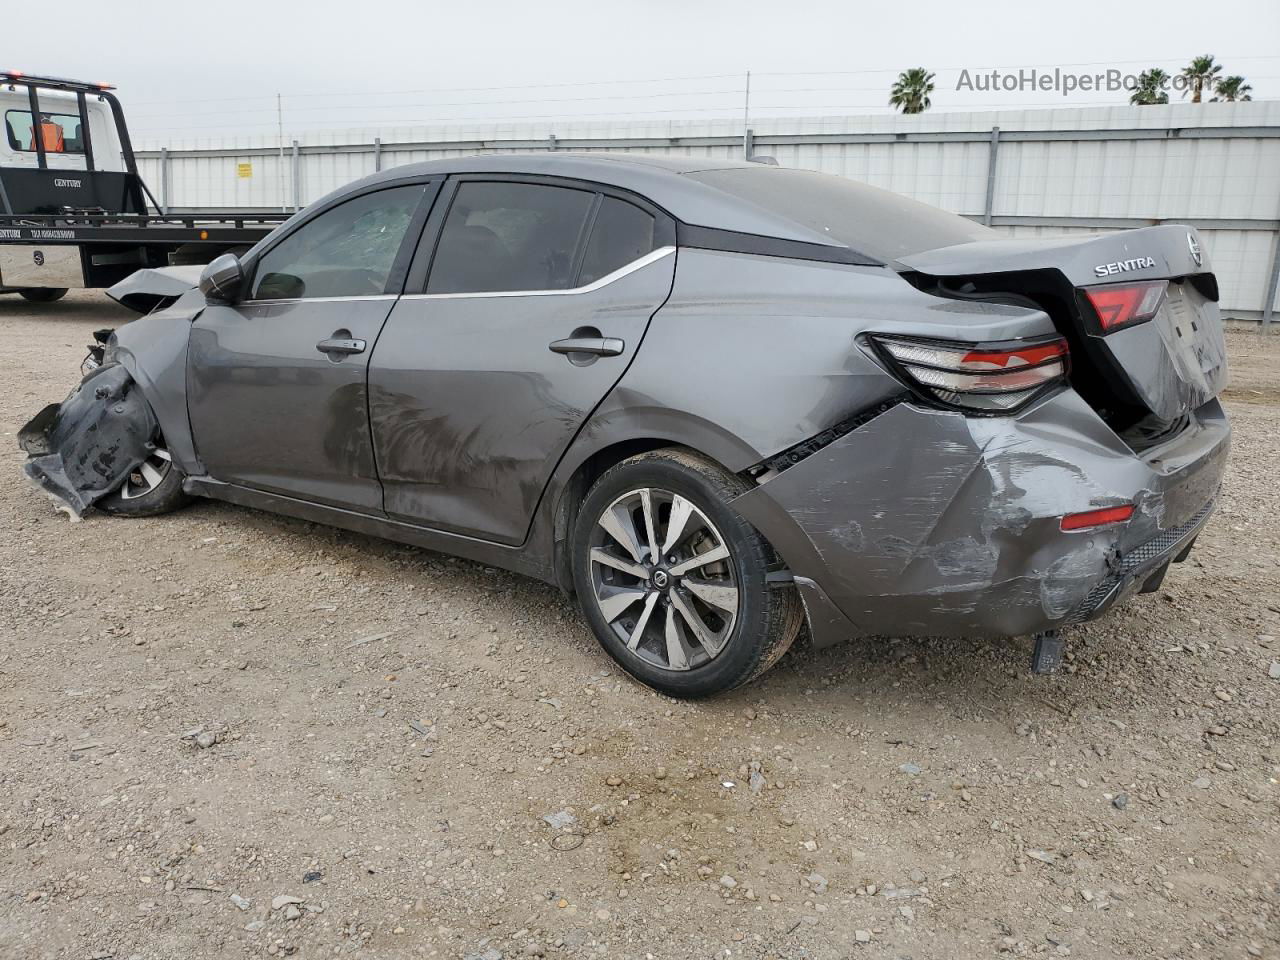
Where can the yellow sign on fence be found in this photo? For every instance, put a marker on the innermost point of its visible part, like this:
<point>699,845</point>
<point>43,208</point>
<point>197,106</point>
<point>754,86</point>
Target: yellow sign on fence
<point>244,170</point>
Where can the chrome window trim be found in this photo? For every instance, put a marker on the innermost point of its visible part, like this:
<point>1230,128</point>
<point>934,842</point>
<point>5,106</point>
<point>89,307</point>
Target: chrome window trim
<point>370,298</point>
<point>652,257</point>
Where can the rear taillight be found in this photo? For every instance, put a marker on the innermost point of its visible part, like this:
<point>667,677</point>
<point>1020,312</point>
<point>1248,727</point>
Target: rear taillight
<point>1124,304</point>
<point>986,378</point>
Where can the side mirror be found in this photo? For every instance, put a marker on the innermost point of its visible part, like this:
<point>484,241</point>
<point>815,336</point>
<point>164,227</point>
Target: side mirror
<point>222,280</point>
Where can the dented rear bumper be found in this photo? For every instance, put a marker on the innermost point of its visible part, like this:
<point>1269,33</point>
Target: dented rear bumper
<point>929,523</point>
<point>85,447</point>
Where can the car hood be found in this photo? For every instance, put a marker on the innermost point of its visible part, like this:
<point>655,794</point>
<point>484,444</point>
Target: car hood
<point>146,290</point>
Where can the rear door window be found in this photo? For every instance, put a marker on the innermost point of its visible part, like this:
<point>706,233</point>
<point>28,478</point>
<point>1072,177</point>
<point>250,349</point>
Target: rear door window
<point>622,233</point>
<point>506,236</point>
<point>347,251</point>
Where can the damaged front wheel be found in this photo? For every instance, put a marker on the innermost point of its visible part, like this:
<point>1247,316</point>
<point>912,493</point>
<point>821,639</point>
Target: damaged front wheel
<point>102,447</point>
<point>152,488</point>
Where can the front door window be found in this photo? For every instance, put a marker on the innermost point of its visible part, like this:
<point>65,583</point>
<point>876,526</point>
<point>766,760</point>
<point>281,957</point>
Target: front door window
<point>347,251</point>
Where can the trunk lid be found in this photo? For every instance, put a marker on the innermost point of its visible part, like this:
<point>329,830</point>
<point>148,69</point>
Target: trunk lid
<point>1145,379</point>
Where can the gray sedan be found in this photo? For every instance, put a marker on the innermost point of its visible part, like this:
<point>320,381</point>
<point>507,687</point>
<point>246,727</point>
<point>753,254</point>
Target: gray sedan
<point>715,400</point>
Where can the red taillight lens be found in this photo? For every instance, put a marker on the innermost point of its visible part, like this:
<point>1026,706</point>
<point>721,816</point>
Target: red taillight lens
<point>988,378</point>
<point>1096,518</point>
<point>1124,304</point>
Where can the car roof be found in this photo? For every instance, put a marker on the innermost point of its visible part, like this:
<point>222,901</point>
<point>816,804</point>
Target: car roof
<point>663,180</point>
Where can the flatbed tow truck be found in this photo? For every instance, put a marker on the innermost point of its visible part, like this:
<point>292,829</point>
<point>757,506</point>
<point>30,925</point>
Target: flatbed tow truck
<point>74,213</point>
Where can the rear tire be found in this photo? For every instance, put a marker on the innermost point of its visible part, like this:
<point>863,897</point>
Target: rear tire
<point>155,487</point>
<point>42,294</point>
<point>686,626</point>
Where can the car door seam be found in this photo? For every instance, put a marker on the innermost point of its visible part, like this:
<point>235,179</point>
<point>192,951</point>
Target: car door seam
<point>533,516</point>
<point>427,205</point>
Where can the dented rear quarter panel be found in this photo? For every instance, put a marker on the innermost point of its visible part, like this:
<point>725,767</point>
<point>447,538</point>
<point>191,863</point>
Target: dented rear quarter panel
<point>928,522</point>
<point>755,354</point>
<point>920,521</point>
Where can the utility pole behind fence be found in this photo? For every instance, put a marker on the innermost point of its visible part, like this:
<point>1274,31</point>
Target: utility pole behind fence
<point>297,177</point>
<point>280,140</point>
<point>165,190</point>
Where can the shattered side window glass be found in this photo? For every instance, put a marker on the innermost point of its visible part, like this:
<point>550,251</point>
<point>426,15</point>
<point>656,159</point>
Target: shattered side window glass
<point>345,252</point>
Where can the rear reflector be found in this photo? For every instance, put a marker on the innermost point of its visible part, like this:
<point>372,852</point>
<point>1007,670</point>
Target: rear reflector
<point>985,378</point>
<point>1124,304</point>
<point>1097,518</point>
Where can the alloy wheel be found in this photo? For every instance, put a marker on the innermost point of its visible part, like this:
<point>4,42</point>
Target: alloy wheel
<point>664,579</point>
<point>147,475</point>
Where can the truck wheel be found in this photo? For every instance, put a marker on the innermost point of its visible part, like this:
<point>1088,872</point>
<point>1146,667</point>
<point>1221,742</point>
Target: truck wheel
<point>42,294</point>
<point>673,582</point>
<point>155,487</point>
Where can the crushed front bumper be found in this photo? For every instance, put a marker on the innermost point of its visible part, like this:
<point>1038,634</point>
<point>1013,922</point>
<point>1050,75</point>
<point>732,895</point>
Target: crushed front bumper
<point>929,523</point>
<point>83,448</point>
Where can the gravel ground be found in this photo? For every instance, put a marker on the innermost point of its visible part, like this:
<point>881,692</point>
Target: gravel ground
<point>225,734</point>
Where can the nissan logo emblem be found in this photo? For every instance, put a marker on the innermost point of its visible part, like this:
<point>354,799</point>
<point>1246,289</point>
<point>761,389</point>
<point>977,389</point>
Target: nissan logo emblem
<point>1194,246</point>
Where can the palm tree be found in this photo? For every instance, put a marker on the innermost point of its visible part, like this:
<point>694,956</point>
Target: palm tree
<point>1231,89</point>
<point>1201,76</point>
<point>1151,88</point>
<point>910,93</point>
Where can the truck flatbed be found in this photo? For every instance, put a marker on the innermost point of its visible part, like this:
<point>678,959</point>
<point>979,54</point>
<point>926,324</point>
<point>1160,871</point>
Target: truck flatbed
<point>217,227</point>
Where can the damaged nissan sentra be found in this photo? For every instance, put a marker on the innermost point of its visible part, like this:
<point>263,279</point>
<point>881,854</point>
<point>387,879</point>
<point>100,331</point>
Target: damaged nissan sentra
<point>714,400</point>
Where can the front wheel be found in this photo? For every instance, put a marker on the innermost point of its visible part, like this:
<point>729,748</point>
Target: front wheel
<point>42,294</point>
<point>152,488</point>
<point>673,582</point>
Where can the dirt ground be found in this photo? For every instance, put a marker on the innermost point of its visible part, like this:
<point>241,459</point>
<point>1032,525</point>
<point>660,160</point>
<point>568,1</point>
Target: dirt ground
<point>224,733</point>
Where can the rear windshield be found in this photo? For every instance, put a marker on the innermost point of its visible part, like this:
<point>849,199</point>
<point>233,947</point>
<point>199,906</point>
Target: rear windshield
<point>863,218</point>
<point>59,131</point>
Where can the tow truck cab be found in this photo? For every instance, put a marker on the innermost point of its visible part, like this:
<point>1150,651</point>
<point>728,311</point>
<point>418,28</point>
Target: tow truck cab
<point>65,149</point>
<point>73,210</point>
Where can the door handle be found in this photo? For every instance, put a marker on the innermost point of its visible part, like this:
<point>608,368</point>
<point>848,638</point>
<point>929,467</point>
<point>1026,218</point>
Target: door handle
<point>597,346</point>
<point>340,346</point>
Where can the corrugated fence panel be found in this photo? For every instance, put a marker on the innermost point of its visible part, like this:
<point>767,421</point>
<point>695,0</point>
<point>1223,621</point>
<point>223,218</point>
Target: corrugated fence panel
<point>1057,171</point>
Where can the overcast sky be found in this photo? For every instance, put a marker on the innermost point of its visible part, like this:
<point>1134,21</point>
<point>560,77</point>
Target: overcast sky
<point>184,68</point>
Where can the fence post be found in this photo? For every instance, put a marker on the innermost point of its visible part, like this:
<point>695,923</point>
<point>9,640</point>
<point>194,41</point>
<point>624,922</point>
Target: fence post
<point>1269,297</point>
<point>377,154</point>
<point>164,180</point>
<point>991,175</point>
<point>297,178</point>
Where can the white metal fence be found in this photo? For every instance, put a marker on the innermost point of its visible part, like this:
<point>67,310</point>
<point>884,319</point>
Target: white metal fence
<point>1215,166</point>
